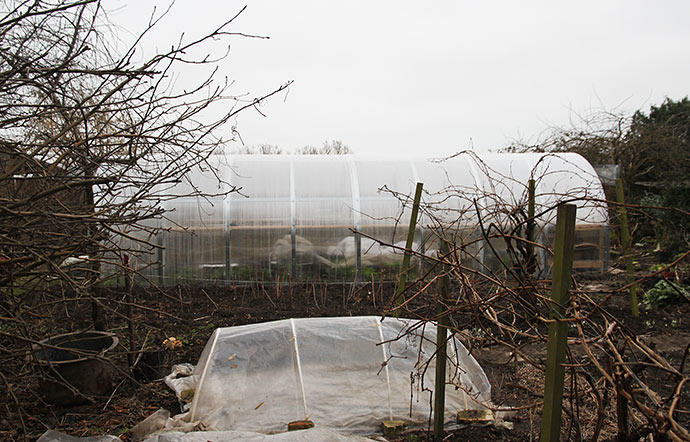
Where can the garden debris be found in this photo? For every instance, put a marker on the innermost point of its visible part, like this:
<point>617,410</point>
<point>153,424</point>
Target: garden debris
<point>300,425</point>
<point>181,381</point>
<point>392,427</point>
<point>150,425</point>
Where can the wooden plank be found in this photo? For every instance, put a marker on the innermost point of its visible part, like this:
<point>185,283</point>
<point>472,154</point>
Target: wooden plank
<point>588,264</point>
<point>589,227</point>
<point>558,330</point>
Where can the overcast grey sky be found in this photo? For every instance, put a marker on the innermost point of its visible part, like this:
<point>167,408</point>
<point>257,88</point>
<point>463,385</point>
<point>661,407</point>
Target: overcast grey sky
<point>426,77</point>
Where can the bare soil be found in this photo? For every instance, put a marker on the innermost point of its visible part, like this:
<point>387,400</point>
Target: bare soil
<point>192,313</point>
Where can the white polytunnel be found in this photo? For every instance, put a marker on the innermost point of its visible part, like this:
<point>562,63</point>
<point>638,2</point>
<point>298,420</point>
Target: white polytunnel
<point>348,373</point>
<point>295,216</point>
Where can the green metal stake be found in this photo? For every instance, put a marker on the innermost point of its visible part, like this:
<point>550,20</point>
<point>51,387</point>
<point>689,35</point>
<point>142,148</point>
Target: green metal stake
<point>405,267</point>
<point>441,339</point>
<point>558,331</point>
<point>531,259</point>
<point>627,247</point>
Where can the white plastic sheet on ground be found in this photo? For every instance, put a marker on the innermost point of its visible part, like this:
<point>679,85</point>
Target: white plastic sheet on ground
<point>311,435</point>
<point>347,373</point>
<point>56,436</point>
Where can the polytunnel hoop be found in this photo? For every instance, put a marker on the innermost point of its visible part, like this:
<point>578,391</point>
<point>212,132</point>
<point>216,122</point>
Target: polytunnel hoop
<point>356,216</point>
<point>195,401</point>
<point>227,218</point>
<point>300,378</point>
<point>385,368</point>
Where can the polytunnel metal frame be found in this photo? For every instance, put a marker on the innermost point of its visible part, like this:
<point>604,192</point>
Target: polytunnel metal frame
<point>349,162</point>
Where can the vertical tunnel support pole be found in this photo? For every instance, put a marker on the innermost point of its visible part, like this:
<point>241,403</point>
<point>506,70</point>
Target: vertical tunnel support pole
<point>293,225</point>
<point>228,254</point>
<point>227,221</point>
<point>160,242</point>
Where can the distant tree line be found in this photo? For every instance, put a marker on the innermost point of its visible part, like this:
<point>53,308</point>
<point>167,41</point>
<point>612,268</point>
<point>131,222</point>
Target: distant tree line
<point>334,147</point>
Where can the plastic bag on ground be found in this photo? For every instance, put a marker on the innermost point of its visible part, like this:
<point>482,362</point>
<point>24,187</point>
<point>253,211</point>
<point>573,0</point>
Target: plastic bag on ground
<point>181,381</point>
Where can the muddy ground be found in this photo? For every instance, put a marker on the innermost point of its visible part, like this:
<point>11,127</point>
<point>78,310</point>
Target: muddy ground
<point>191,314</point>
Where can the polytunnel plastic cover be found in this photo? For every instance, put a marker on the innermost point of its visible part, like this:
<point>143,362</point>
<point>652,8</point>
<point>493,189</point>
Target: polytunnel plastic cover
<point>346,373</point>
<point>294,215</point>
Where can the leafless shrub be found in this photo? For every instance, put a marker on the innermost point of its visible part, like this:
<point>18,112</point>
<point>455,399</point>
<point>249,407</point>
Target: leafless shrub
<point>88,139</point>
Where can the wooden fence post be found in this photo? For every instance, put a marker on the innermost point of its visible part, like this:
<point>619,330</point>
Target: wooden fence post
<point>558,330</point>
<point>626,241</point>
<point>405,267</point>
<point>441,339</point>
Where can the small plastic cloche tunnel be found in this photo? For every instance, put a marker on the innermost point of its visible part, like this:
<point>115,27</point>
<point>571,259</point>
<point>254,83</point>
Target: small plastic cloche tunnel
<point>347,373</point>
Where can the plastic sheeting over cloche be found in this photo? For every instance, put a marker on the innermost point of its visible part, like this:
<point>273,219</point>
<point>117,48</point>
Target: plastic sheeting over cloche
<point>294,216</point>
<point>344,373</point>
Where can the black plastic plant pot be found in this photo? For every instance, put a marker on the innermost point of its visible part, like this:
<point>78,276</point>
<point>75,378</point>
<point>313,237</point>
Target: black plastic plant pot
<point>151,366</point>
<point>74,367</point>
